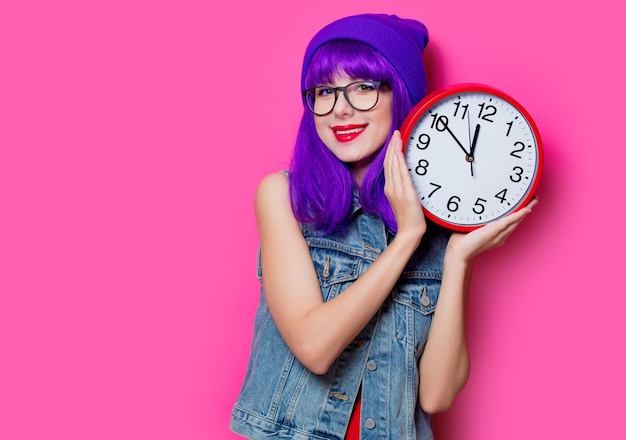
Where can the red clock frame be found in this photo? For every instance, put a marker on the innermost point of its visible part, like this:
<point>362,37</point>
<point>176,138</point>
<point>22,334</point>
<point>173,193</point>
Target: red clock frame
<point>437,95</point>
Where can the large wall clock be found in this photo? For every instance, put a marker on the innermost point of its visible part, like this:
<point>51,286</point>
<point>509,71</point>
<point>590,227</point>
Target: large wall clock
<point>474,155</point>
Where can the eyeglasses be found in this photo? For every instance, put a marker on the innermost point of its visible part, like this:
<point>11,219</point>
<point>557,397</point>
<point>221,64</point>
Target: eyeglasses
<point>361,95</point>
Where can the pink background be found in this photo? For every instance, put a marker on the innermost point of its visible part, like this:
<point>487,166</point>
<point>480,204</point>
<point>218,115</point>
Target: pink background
<point>132,136</point>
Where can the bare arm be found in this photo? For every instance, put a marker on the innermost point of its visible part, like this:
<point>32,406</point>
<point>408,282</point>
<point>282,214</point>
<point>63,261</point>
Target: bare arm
<point>317,331</point>
<point>444,365</point>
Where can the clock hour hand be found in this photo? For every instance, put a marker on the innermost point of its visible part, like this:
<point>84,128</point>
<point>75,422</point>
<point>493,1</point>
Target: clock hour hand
<point>470,156</point>
<point>473,146</point>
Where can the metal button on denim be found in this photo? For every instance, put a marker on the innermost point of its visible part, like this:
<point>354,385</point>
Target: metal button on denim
<point>370,424</point>
<point>424,299</point>
<point>371,365</point>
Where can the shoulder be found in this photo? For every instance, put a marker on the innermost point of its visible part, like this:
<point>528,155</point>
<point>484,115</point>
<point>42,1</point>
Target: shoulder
<point>272,183</point>
<point>273,188</point>
<point>272,201</point>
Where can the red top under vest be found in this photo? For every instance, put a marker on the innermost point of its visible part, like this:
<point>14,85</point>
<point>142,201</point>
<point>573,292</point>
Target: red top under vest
<point>355,419</point>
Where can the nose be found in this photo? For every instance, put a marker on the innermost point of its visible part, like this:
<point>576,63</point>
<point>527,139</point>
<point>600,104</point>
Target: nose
<point>342,107</point>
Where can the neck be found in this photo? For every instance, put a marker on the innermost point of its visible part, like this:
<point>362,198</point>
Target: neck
<point>358,176</point>
<point>359,170</point>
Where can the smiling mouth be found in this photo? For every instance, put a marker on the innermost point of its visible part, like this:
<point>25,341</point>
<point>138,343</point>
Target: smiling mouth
<point>349,131</point>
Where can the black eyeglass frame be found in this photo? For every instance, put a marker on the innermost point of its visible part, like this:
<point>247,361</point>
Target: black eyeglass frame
<point>343,89</point>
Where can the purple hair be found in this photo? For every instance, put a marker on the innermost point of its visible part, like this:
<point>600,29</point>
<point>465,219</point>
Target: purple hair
<point>321,186</point>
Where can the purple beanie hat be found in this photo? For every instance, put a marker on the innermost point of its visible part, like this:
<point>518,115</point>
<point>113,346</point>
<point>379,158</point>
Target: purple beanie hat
<point>400,41</point>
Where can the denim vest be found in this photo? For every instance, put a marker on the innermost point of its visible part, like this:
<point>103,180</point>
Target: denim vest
<point>280,398</point>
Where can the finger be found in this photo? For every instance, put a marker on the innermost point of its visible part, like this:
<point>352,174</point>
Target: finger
<point>515,217</point>
<point>403,170</point>
<point>504,234</point>
<point>396,140</point>
<point>389,173</point>
<point>395,172</point>
<point>510,224</point>
<point>394,145</point>
<point>533,203</point>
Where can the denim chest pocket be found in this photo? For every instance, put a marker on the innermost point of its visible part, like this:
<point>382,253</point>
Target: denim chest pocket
<point>414,301</point>
<point>336,270</point>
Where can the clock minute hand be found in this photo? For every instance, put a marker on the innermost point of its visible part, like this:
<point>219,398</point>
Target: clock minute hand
<point>457,141</point>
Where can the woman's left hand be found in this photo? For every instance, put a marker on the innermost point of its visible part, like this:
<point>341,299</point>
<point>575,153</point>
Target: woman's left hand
<point>492,235</point>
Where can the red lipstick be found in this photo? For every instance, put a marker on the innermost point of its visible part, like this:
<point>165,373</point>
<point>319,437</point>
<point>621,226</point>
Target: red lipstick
<point>347,133</point>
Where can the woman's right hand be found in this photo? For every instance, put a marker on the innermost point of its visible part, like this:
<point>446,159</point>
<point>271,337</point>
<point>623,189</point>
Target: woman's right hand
<point>401,193</point>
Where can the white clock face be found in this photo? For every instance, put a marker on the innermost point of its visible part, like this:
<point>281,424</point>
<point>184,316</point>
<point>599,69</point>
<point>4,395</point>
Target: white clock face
<point>473,157</point>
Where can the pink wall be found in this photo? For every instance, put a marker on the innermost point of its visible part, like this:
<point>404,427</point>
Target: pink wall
<point>132,136</point>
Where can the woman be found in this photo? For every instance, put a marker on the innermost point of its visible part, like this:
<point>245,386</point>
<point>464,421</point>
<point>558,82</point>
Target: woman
<point>360,330</point>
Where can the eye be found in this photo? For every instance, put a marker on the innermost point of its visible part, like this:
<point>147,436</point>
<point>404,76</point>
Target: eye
<point>365,87</point>
<point>324,92</point>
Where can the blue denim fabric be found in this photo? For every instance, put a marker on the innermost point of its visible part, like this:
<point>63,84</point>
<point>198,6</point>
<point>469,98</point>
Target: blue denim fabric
<point>280,398</point>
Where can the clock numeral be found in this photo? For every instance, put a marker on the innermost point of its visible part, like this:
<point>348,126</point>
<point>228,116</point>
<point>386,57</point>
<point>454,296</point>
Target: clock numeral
<point>501,196</point>
<point>459,106</point>
<point>489,110</point>
<point>437,187</point>
<point>508,131</point>
<point>422,167</point>
<point>479,206</point>
<point>423,141</point>
<point>453,203</point>
<point>519,150</point>
<point>440,123</point>
<point>518,174</point>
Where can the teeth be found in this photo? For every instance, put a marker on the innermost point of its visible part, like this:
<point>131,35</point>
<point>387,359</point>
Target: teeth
<point>353,130</point>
